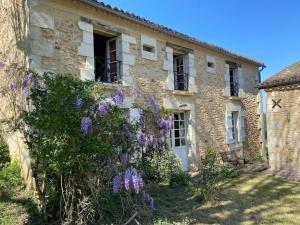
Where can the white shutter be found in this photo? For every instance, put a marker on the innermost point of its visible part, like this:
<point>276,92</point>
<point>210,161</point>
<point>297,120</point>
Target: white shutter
<point>227,80</point>
<point>241,82</point>
<point>228,126</point>
<point>134,115</point>
<point>242,127</point>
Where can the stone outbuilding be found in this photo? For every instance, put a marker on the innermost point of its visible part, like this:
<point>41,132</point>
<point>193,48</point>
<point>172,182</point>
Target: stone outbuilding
<point>283,118</point>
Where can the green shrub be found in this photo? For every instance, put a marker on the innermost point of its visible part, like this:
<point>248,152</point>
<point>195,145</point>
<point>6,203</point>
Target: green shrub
<point>10,177</point>
<point>212,174</point>
<point>160,166</point>
<point>227,170</point>
<point>4,153</point>
<point>180,178</point>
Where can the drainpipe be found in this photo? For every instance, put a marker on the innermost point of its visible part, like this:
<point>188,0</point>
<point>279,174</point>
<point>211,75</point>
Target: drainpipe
<point>263,128</point>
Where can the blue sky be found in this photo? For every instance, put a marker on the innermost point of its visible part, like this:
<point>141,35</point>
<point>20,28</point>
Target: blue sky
<point>266,30</point>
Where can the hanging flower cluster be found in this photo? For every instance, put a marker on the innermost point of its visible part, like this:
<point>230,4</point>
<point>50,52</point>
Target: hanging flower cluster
<point>86,125</point>
<point>79,103</point>
<point>148,99</point>
<point>130,180</point>
<point>27,79</point>
<point>103,108</point>
<point>147,199</point>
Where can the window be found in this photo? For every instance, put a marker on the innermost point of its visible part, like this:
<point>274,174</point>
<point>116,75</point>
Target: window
<point>107,65</point>
<point>148,48</point>
<point>233,78</point>
<point>178,133</point>
<point>235,129</point>
<point>180,76</point>
<point>211,64</point>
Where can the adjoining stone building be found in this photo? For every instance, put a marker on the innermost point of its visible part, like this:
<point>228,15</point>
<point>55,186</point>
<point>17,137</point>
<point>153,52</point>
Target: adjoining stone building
<point>283,118</point>
<point>212,91</point>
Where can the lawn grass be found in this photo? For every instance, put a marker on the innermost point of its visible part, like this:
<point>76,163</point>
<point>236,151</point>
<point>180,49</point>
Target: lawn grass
<point>16,205</point>
<point>251,198</point>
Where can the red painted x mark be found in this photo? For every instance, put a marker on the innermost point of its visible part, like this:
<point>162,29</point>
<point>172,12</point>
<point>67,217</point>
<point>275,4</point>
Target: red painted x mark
<point>276,103</point>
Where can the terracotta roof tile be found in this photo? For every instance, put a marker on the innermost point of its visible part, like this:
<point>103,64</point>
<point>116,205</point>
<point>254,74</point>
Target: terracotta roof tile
<point>169,31</point>
<point>289,75</point>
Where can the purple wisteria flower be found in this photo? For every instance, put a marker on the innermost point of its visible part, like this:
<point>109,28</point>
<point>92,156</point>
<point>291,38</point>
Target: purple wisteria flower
<point>86,125</point>
<point>132,180</point>
<point>141,137</point>
<point>165,124</point>
<point>125,158</point>
<point>146,198</point>
<point>25,91</point>
<point>154,105</point>
<point>79,102</point>
<point>1,65</point>
<point>117,184</point>
<point>118,97</point>
<point>103,108</point>
<point>14,86</point>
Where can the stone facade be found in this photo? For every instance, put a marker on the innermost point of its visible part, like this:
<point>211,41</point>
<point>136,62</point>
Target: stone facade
<point>13,49</point>
<point>60,37</point>
<point>284,128</point>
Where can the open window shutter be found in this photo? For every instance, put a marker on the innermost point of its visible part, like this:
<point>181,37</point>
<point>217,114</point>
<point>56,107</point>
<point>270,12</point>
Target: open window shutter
<point>228,125</point>
<point>241,82</point>
<point>134,115</point>
<point>227,81</point>
<point>242,126</point>
<point>112,62</point>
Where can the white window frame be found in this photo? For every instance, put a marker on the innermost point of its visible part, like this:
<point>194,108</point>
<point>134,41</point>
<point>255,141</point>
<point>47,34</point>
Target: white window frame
<point>117,57</point>
<point>149,42</point>
<point>172,131</point>
<point>211,59</point>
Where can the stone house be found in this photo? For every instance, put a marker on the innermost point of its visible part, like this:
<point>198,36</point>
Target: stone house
<point>212,91</point>
<point>283,118</point>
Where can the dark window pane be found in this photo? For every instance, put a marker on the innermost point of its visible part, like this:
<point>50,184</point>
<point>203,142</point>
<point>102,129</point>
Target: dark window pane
<point>176,117</point>
<point>177,142</point>
<point>176,124</point>
<point>176,133</point>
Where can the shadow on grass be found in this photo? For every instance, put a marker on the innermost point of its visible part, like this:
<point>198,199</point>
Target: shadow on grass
<point>22,204</point>
<point>253,198</point>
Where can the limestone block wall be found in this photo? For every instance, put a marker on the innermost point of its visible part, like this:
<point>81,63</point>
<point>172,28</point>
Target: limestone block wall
<point>284,129</point>
<point>13,50</point>
<point>61,42</point>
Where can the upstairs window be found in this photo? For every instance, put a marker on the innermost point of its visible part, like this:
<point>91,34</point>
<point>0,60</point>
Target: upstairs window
<point>234,80</point>
<point>181,78</point>
<point>107,65</point>
<point>211,64</point>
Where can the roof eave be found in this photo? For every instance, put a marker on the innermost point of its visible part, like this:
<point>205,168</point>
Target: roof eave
<point>180,36</point>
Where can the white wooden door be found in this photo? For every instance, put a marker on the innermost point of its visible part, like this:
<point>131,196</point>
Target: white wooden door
<point>178,138</point>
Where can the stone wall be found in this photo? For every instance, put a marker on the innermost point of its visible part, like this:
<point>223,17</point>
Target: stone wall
<point>60,43</point>
<point>13,50</point>
<point>284,128</point>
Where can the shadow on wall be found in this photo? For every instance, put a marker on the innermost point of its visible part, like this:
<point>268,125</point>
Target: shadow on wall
<point>19,23</point>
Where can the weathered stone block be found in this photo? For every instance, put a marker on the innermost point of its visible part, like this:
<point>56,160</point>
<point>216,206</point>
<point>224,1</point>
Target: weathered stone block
<point>41,19</point>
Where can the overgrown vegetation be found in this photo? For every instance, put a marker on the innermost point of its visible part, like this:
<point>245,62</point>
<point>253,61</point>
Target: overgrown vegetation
<point>85,148</point>
<point>4,153</point>
<point>212,174</point>
<point>92,162</point>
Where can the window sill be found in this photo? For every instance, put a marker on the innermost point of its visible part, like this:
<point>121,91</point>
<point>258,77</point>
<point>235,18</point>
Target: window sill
<point>234,98</point>
<point>235,146</point>
<point>110,86</point>
<point>183,93</point>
